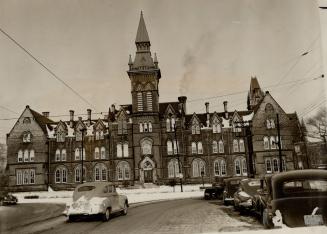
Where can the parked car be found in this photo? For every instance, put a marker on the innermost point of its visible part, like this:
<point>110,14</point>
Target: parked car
<point>244,196</point>
<point>7,198</point>
<point>230,187</point>
<point>214,192</point>
<point>96,198</point>
<point>295,198</point>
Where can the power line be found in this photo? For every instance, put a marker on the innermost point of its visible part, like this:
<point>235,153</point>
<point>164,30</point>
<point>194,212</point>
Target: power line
<point>46,68</point>
<point>7,109</point>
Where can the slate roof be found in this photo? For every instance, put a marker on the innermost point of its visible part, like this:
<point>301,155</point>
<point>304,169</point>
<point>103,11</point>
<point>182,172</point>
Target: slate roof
<point>142,33</point>
<point>42,121</point>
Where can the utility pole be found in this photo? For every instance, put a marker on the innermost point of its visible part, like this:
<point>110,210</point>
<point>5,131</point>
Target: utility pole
<point>248,135</point>
<point>279,146</point>
<point>179,162</point>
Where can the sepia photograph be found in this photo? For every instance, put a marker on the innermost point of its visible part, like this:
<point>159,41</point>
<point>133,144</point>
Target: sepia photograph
<point>163,116</point>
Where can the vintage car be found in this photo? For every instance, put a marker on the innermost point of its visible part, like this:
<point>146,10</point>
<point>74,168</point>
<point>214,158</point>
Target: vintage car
<point>230,187</point>
<point>244,196</point>
<point>96,198</point>
<point>7,198</point>
<point>295,198</point>
<point>214,192</point>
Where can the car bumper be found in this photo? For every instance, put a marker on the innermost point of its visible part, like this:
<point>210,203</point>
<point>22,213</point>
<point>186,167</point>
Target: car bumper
<point>246,205</point>
<point>85,211</point>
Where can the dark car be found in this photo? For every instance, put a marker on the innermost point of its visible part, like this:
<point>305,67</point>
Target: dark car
<point>230,187</point>
<point>7,198</point>
<point>295,198</point>
<point>244,196</point>
<point>214,192</point>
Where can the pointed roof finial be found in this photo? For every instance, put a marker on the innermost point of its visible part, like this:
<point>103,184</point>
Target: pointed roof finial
<point>155,58</point>
<point>142,33</point>
<point>130,60</point>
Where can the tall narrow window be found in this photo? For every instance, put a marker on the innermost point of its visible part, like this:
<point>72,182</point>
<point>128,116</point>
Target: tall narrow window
<point>268,165</point>
<point>244,167</point>
<point>20,156</point>
<point>275,165</point>
<point>169,147</point>
<point>200,148</point>
<point>173,124</point>
<point>63,155</point>
<point>139,101</point>
<point>125,149</point>
<point>265,143</point>
<point>64,175</point>
<point>19,177</point>
<point>149,101</point>
<point>141,127</point>
<point>57,158</point>
<point>216,168</point>
<point>77,154</point>
<point>198,167</point>
<point>242,148</point>
<point>235,146</point>
<point>272,142</point>
<point>168,125</point>
<point>194,151</point>
<point>57,176</point>
<point>32,176</point>
<point>123,171</point>
<point>119,150</point>
<point>32,155</point>
<point>237,167</point>
<point>221,146</point>
<point>96,153</point>
<point>214,147</point>
<point>122,126</point>
<point>175,146</point>
<point>145,127</point>
<point>150,127</point>
<point>223,167</point>
<point>103,152</point>
<point>26,155</point>
<point>173,169</point>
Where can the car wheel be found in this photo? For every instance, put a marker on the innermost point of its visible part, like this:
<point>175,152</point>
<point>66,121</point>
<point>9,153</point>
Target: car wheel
<point>106,215</point>
<point>266,221</point>
<point>125,209</point>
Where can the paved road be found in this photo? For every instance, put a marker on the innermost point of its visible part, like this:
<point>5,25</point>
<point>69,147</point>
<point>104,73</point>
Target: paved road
<point>179,216</point>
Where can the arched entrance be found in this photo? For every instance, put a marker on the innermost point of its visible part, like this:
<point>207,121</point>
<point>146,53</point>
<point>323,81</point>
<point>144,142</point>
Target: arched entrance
<point>147,171</point>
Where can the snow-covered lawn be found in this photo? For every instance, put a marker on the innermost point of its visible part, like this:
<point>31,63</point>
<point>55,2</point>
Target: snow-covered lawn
<point>284,230</point>
<point>135,195</point>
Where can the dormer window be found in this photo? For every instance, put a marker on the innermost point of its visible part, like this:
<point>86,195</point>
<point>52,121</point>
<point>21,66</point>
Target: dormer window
<point>61,136</point>
<point>122,126</point>
<point>216,126</point>
<point>195,127</point>
<point>27,137</point>
<point>99,135</point>
<point>170,124</point>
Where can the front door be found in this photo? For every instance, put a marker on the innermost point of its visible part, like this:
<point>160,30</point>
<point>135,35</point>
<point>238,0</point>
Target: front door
<point>148,176</point>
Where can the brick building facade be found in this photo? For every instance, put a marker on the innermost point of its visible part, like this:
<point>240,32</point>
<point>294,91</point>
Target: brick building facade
<point>152,142</point>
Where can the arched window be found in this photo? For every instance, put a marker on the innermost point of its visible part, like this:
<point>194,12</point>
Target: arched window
<point>235,146</point>
<point>103,152</point>
<point>237,164</point>
<point>96,153</point>
<point>141,127</point>
<point>64,175</point>
<point>123,171</point>
<point>119,150</point>
<point>20,156</point>
<point>61,136</point>
<point>26,177</point>
<point>100,172</point>
<point>268,165</point>
<point>146,147</point>
<point>200,149</point>
<point>57,158</point>
<point>150,127</point>
<point>19,177</point>
<point>275,165</point>
<point>32,155</point>
<point>242,148</point>
<point>169,147</point>
<point>26,155</point>
<point>265,143</point>
<point>58,176</point>
<point>61,175</point>
<point>63,155</point>
<point>219,167</point>
<point>194,151</point>
<point>272,142</point>
<point>125,150</point>
<point>195,127</point>
<point>78,173</point>
<point>145,127</point>
<point>216,127</point>
<point>77,154</point>
<point>198,167</point>
<point>173,169</point>
<point>173,124</point>
<point>221,146</point>
<point>214,147</point>
<point>32,176</point>
<point>139,101</point>
<point>175,146</point>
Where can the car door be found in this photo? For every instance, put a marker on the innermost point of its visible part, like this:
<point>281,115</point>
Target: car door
<point>113,196</point>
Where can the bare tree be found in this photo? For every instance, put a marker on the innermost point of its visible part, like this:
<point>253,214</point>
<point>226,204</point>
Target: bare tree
<point>317,124</point>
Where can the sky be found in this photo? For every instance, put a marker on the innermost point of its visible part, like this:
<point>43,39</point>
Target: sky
<point>207,50</point>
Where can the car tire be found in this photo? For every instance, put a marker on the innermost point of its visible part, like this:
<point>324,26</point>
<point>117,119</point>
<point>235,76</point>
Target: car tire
<point>106,216</point>
<point>266,221</point>
<point>125,209</point>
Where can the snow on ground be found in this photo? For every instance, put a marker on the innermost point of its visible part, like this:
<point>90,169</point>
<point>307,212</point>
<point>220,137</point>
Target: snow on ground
<point>134,195</point>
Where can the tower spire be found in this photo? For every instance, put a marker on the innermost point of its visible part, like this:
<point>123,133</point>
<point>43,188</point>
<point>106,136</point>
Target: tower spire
<point>142,33</point>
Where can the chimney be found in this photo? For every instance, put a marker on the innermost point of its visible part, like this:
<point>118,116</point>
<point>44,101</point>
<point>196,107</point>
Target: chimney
<point>130,63</point>
<point>46,114</point>
<point>89,111</point>
<point>71,114</point>
<point>225,110</point>
<point>113,109</point>
<point>208,115</point>
<point>182,103</point>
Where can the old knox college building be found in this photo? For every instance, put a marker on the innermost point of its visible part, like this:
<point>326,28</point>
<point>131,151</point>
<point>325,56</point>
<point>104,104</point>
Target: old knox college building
<point>152,142</point>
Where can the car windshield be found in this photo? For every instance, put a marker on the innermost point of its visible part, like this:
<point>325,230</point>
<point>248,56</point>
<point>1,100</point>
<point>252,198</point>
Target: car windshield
<point>86,188</point>
<point>305,186</point>
<point>251,186</point>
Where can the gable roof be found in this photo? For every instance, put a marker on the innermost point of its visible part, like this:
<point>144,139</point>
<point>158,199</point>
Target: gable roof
<point>42,121</point>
